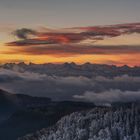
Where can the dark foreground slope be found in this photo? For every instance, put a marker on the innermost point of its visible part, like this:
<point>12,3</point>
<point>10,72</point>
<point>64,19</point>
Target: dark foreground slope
<point>117,123</point>
<point>32,118</point>
<point>9,103</point>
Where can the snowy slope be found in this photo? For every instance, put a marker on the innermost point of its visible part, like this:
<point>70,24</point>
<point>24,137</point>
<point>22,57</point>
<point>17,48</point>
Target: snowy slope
<point>121,123</point>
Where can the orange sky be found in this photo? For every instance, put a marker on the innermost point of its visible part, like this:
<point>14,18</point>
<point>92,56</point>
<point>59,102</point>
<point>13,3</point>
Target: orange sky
<point>57,54</point>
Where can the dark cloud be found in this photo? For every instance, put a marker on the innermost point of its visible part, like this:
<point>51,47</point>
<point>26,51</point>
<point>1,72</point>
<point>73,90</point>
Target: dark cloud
<point>102,31</point>
<point>24,33</point>
<point>135,30</point>
<point>65,50</point>
<point>29,42</point>
<point>49,38</point>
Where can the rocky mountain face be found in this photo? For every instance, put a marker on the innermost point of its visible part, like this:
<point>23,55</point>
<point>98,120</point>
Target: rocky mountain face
<point>115,123</point>
<point>72,69</point>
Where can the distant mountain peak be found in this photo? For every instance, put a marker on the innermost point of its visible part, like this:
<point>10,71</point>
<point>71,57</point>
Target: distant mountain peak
<point>73,69</point>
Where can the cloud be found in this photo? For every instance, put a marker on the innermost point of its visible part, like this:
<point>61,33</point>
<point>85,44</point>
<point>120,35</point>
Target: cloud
<point>29,42</point>
<point>64,50</point>
<point>18,80</point>
<point>24,33</point>
<point>135,30</point>
<point>58,88</point>
<point>40,38</point>
<point>72,35</point>
<point>78,41</point>
<point>110,96</point>
<point>49,38</point>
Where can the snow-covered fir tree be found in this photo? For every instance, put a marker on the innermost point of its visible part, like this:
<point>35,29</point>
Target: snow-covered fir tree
<point>119,123</point>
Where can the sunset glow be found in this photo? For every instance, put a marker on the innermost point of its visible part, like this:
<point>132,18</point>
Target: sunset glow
<point>114,44</point>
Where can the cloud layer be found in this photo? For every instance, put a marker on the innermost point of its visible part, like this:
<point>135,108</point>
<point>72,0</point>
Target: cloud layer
<point>97,89</point>
<point>110,96</point>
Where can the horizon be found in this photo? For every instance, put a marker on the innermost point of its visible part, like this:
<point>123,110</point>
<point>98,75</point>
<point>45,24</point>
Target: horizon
<point>78,64</point>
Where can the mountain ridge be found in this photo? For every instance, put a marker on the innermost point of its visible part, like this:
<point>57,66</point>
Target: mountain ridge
<point>73,69</point>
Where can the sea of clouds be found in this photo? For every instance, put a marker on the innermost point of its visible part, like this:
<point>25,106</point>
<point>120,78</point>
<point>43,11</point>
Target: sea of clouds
<point>95,89</point>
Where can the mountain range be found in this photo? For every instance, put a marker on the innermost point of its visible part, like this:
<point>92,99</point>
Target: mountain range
<point>73,69</point>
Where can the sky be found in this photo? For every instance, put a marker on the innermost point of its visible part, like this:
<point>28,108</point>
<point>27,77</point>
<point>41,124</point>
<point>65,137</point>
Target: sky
<point>57,31</point>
